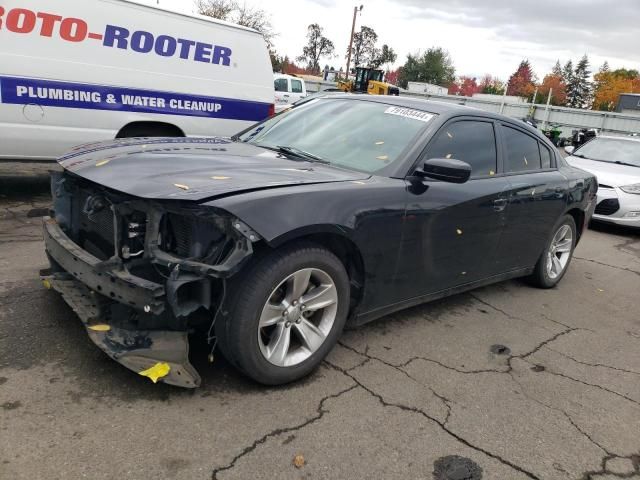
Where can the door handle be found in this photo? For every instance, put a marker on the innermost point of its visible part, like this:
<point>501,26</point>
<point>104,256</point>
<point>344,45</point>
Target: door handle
<point>499,204</point>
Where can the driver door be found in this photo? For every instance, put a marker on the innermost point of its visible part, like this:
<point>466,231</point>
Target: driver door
<point>452,230</point>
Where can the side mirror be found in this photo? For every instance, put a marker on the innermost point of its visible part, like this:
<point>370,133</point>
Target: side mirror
<point>569,149</point>
<point>445,170</point>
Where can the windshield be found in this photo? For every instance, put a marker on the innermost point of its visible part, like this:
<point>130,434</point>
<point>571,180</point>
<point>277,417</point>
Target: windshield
<point>355,134</point>
<point>611,150</point>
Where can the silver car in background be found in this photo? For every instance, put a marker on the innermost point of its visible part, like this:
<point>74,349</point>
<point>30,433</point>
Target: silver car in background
<point>616,163</point>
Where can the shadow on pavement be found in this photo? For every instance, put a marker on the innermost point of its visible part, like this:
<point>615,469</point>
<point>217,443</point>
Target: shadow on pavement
<point>614,229</point>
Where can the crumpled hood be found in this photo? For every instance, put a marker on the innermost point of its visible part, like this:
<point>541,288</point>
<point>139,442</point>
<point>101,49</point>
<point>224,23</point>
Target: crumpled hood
<point>610,174</point>
<point>193,168</point>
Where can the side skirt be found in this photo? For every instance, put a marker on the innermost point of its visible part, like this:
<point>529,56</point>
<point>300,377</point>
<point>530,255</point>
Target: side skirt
<point>362,318</point>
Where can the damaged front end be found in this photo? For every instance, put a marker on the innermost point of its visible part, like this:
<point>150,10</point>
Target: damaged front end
<point>141,274</point>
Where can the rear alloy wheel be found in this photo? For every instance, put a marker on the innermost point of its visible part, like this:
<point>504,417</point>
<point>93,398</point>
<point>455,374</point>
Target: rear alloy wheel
<point>557,254</point>
<point>287,313</point>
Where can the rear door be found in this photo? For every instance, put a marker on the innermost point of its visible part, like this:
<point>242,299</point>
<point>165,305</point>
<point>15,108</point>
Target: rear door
<point>536,197</point>
<point>452,230</point>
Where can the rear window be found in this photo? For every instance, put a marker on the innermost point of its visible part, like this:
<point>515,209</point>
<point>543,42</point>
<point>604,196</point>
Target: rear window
<point>522,151</point>
<point>280,84</point>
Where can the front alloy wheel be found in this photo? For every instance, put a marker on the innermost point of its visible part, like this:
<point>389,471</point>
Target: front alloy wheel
<point>297,317</point>
<point>286,313</point>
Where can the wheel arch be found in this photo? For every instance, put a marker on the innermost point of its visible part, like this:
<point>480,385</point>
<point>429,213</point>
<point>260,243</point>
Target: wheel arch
<point>160,129</point>
<point>578,216</point>
<point>334,239</point>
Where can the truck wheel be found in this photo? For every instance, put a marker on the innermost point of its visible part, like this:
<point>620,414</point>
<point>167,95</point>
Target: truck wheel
<point>287,314</point>
<point>555,258</point>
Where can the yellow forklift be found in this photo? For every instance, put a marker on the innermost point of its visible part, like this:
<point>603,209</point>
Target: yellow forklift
<point>368,80</point>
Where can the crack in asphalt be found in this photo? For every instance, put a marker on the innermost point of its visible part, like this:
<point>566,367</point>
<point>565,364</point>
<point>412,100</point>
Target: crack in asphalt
<point>558,409</point>
<point>514,317</point>
<point>595,385</point>
<point>440,423</point>
<point>593,474</point>
<point>593,364</point>
<point>278,431</point>
<point>446,402</point>
<point>608,265</point>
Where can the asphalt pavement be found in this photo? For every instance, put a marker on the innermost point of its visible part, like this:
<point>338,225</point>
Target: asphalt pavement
<point>505,382</point>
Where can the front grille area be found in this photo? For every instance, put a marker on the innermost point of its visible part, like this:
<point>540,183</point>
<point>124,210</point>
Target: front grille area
<point>607,207</point>
<point>93,230</point>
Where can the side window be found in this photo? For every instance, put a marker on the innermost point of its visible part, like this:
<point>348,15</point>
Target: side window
<point>296,86</point>
<point>545,156</point>
<point>471,141</point>
<point>522,151</point>
<point>280,84</point>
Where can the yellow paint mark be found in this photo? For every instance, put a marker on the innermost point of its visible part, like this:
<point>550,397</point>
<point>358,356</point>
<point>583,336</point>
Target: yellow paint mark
<point>220,177</point>
<point>383,157</point>
<point>600,290</point>
<point>102,162</point>
<point>159,370</point>
<point>380,143</point>
<point>99,327</point>
<point>458,231</point>
<point>47,284</point>
<point>181,186</point>
<point>491,172</point>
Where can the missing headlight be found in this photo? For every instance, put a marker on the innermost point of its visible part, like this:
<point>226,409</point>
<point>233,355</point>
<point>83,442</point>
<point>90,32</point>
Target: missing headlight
<point>194,238</point>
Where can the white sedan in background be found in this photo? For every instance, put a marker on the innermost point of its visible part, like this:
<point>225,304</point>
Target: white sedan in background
<point>616,163</point>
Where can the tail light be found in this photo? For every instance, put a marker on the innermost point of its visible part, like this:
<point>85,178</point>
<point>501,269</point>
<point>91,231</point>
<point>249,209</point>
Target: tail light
<point>272,110</point>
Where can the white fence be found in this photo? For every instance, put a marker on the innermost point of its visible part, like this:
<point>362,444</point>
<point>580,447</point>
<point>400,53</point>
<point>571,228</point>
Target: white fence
<point>566,118</point>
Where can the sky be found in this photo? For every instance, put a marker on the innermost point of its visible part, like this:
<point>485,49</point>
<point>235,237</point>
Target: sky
<point>482,36</point>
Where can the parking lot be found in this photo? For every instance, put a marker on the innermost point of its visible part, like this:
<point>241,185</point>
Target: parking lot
<point>505,382</point>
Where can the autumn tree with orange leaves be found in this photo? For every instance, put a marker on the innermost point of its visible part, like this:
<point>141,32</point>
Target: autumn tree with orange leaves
<point>522,82</point>
<point>610,84</point>
<point>555,83</point>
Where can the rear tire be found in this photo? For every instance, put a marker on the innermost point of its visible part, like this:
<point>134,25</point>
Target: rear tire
<point>279,328</point>
<point>557,254</point>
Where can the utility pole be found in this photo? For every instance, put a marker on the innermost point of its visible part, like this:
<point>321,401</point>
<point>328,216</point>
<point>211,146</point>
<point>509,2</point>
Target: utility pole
<point>353,30</point>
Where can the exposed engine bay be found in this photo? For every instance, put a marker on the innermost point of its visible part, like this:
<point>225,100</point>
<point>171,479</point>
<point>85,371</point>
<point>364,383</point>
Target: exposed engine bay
<point>141,274</point>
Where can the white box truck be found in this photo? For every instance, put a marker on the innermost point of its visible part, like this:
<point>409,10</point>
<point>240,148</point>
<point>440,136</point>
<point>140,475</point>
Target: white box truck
<point>79,71</point>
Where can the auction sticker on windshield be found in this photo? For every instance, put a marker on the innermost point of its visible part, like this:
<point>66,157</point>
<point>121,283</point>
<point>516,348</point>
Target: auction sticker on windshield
<point>409,113</point>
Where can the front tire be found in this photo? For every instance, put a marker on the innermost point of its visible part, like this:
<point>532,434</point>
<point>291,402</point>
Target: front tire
<point>556,257</point>
<point>286,315</point>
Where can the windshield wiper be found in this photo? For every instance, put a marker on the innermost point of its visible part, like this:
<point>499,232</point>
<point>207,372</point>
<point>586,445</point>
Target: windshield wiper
<point>626,164</point>
<point>296,152</point>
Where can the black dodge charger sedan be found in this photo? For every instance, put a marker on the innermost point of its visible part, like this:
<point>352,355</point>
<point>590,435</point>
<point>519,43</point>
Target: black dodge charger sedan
<point>339,211</point>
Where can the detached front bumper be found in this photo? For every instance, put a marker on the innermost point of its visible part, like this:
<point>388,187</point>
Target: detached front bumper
<point>97,293</point>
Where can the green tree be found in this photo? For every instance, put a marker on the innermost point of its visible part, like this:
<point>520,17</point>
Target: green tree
<point>579,88</point>
<point>384,56</point>
<point>433,66</point>
<point>567,72</point>
<point>317,46</point>
<point>363,50</point>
